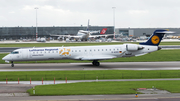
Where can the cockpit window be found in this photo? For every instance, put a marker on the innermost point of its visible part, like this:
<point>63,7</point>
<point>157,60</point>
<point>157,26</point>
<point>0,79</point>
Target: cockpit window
<point>15,52</point>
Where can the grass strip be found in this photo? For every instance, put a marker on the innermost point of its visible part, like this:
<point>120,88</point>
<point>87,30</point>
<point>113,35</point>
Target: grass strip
<point>161,55</point>
<point>97,88</point>
<point>73,44</point>
<point>88,75</point>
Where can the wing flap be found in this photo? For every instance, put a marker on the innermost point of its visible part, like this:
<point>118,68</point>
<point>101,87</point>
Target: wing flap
<point>61,35</point>
<point>101,35</point>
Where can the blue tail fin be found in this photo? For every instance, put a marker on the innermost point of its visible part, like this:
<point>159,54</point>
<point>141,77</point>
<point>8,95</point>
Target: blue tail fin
<point>156,38</point>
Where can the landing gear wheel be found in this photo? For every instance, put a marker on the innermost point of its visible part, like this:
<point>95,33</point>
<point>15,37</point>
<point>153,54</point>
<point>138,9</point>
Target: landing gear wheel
<point>92,63</point>
<point>12,64</point>
<point>97,63</point>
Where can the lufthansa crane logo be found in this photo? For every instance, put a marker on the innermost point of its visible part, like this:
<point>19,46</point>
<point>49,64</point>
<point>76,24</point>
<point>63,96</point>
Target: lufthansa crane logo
<point>155,39</point>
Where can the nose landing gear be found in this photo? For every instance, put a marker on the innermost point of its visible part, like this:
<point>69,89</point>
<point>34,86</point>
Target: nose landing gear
<point>12,64</point>
<point>95,63</point>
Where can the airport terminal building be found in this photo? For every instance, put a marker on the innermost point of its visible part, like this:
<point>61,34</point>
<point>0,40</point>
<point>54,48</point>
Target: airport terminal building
<point>137,32</point>
<point>13,33</point>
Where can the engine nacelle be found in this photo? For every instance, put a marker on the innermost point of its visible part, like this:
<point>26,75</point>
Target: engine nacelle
<point>133,47</point>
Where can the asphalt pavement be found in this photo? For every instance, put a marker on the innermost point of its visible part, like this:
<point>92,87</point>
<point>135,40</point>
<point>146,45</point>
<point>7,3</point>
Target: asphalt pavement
<point>88,66</point>
<point>129,97</point>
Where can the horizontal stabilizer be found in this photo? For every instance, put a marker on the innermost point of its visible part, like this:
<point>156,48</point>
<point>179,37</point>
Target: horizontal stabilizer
<point>166,32</point>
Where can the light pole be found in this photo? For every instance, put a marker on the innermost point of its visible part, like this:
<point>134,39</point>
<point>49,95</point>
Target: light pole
<point>114,19</point>
<point>36,24</point>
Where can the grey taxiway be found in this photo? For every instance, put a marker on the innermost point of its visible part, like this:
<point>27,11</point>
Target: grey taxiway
<point>130,97</point>
<point>89,66</point>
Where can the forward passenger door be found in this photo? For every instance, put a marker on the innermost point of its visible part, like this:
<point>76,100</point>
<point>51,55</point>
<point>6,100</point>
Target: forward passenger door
<point>25,53</point>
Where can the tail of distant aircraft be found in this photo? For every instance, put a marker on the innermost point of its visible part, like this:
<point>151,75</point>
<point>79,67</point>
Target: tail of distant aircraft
<point>156,38</point>
<point>88,25</point>
<point>103,31</point>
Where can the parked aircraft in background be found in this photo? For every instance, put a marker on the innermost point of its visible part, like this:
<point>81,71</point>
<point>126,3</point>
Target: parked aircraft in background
<point>91,53</point>
<point>84,35</point>
<point>41,39</point>
<point>102,34</point>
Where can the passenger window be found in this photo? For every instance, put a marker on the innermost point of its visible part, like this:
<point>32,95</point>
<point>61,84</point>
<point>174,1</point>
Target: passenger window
<point>79,50</point>
<point>102,49</point>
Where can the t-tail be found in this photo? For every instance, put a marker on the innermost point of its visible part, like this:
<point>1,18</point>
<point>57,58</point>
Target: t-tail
<point>156,38</point>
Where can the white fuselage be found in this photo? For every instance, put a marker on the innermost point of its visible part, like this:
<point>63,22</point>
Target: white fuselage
<point>102,52</point>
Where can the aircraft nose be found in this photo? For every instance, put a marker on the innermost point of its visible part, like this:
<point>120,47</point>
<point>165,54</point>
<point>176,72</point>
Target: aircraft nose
<point>5,58</point>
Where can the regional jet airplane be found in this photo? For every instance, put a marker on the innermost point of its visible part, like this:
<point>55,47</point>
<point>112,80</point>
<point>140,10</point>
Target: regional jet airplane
<point>91,53</point>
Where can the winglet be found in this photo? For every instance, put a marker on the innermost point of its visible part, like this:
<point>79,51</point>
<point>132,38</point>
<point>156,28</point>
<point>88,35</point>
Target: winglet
<point>156,38</point>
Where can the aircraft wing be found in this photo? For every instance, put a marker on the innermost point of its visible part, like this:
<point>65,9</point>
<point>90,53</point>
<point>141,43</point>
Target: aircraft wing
<point>61,35</point>
<point>69,36</point>
<point>101,35</point>
<point>97,58</point>
<point>88,32</point>
<point>75,36</point>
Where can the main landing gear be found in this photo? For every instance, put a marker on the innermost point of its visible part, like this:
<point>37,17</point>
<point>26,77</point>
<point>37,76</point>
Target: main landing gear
<point>95,63</point>
<point>12,64</point>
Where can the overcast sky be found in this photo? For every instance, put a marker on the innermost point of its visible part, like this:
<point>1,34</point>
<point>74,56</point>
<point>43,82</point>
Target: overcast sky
<point>128,13</point>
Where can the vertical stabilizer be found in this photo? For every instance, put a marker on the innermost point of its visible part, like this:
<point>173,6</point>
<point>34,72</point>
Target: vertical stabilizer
<point>103,31</point>
<point>88,25</point>
<point>156,38</point>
